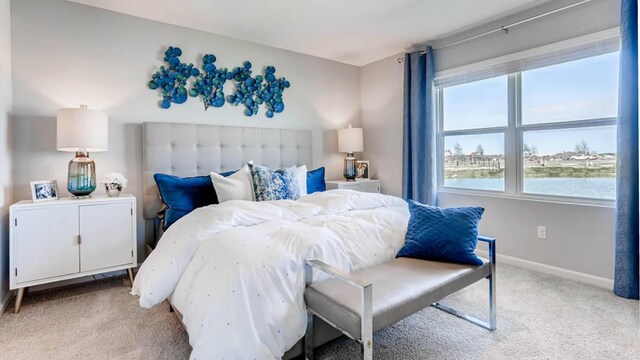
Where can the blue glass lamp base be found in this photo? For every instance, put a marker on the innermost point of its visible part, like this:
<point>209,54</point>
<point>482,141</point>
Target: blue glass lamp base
<point>350,171</point>
<point>82,175</point>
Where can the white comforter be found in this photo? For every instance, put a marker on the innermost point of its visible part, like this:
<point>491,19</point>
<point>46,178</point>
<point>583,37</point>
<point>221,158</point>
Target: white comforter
<point>235,270</point>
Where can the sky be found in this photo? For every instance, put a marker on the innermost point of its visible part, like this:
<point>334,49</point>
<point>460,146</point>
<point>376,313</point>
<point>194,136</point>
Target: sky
<point>578,90</point>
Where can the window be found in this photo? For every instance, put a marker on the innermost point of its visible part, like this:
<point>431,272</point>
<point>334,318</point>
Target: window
<point>475,118</point>
<point>480,104</point>
<point>549,131</point>
<point>474,161</point>
<point>576,90</point>
<point>579,162</point>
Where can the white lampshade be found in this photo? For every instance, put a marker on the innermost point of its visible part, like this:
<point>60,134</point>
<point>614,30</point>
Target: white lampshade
<point>82,129</point>
<point>350,140</point>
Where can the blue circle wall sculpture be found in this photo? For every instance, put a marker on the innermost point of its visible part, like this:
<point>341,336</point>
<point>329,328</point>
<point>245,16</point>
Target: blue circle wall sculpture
<point>172,80</point>
<point>245,89</point>
<point>272,91</point>
<point>209,83</point>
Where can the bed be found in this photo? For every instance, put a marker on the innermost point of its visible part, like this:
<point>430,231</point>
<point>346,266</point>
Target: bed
<point>234,271</point>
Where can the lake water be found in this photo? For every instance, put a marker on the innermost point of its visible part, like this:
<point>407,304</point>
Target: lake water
<point>600,188</point>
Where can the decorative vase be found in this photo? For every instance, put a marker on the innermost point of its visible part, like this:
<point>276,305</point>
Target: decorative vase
<point>350,167</point>
<point>113,190</point>
<point>82,175</point>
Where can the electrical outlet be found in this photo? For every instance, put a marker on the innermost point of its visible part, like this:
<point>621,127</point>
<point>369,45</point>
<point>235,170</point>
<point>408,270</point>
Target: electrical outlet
<point>542,232</point>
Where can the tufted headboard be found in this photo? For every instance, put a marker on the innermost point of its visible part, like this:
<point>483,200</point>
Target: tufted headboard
<point>192,150</point>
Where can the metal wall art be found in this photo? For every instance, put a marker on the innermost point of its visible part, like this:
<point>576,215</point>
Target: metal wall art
<point>208,84</point>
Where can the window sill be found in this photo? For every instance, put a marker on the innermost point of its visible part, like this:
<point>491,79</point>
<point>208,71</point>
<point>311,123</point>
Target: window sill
<point>530,197</point>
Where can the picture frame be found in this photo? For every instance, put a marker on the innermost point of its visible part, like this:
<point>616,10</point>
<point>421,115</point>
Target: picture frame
<point>44,190</point>
<point>364,170</point>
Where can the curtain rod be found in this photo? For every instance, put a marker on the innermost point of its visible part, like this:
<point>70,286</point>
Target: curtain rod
<point>504,28</point>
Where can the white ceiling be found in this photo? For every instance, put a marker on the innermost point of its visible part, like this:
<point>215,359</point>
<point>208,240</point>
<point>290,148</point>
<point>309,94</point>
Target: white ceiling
<point>356,32</point>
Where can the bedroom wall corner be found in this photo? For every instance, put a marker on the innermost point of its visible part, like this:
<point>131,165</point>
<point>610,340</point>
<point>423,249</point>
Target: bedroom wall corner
<point>6,103</point>
<point>381,95</point>
<point>107,65</point>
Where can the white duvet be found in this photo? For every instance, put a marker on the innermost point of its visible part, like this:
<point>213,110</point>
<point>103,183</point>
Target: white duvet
<point>235,270</point>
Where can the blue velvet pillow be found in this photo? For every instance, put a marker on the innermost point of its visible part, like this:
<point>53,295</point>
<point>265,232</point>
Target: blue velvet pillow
<point>183,195</point>
<point>315,181</point>
<point>442,234</point>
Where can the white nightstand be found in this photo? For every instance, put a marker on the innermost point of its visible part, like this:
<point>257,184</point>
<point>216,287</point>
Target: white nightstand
<point>70,238</point>
<point>372,186</point>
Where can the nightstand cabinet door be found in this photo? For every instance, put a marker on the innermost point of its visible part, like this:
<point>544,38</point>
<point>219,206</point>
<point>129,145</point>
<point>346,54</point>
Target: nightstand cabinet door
<point>356,186</point>
<point>107,230</point>
<point>370,186</point>
<point>45,243</point>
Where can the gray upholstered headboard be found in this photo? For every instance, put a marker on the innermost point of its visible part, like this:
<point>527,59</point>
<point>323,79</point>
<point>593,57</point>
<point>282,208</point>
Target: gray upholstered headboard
<point>191,150</point>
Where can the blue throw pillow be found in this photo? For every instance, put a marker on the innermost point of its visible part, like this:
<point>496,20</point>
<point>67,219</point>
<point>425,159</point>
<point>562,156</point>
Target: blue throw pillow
<point>315,181</point>
<point>183,195</point>
<point>442,234</point>
<point>281,184</point>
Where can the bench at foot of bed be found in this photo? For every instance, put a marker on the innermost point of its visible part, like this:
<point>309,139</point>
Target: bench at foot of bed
<point>373,298</point>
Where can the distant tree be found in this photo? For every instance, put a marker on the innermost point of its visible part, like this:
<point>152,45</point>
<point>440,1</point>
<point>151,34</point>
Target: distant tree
<point>582,147</point>
<point>529,151</point>
<point>457,149</point>
<point>479,149</point>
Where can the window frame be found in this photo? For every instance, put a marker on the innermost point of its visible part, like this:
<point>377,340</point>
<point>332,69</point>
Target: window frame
<point>513,147</point>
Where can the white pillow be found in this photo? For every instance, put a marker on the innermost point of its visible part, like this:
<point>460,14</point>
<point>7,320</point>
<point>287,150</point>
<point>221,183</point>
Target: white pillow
<point>236,186</point>
<point>301,174</point>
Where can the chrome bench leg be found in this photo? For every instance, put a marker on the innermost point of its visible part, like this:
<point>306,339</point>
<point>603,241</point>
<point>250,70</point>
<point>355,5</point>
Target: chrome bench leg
<point>492,280</point>
<point>366,323</point>
<point>491,325</point>
<point>492,302</point>
<point>366,313</point>
<point>308,338</point>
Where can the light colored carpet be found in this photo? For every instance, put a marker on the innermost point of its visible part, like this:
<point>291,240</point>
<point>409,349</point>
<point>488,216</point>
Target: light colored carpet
<point>539,317</point>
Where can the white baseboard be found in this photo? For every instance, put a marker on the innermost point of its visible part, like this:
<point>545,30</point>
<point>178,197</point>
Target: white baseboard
<point>552,270</point>
<point>4,302</point>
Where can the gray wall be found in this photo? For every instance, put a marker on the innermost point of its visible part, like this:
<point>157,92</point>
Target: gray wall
<point>580,238</point>
<point>381,109</point>
<point>65,54</point>
<point>5,154</point>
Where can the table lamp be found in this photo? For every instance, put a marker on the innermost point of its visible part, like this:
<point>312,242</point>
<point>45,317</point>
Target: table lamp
<point>82,131</point>
<point>350,141</point>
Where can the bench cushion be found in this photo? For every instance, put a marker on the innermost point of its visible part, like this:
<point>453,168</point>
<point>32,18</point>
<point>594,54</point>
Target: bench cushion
<point>401,287</point>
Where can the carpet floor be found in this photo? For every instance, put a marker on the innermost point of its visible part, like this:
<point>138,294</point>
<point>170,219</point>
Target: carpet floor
<point>539,317</point>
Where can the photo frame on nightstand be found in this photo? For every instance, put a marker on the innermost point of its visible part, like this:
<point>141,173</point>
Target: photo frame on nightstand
<point>363,170</point>
<point>44,190</point>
